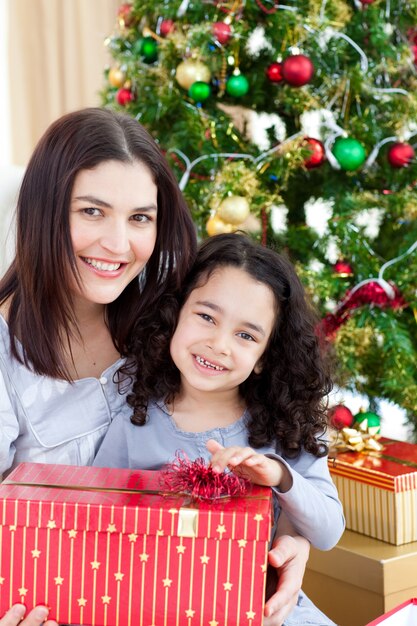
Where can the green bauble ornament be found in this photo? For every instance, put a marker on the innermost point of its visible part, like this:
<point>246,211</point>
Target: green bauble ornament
<point>372,420</point>
<point>237,85</point>
<point>349,153</point>
<point>199,91</point>
<point>148,49</point>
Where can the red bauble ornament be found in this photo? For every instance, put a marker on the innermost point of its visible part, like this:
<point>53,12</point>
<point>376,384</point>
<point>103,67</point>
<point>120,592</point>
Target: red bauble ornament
<point>340,417</point>
<point>297,70</point>
<point>318,154</point>
<point>400,154</point>
<point>343,269</point>
<point>274,72</point>
<point>414,51</point>
<point>222,32</point>
<point>166,27</point>
<point>124,96</point>
<point>125,14</point>
<point>367,1</point>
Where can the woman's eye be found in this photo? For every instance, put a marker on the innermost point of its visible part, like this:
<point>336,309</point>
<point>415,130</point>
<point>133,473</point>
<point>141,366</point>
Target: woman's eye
<point>140,217</point>
<point>91,211</point>
<point>205,317</point>
<point>246,336</point>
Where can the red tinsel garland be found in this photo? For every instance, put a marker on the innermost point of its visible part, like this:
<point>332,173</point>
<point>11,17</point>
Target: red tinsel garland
<point>200,481</point>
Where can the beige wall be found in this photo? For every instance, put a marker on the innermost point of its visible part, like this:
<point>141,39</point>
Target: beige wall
<point>56,59</point>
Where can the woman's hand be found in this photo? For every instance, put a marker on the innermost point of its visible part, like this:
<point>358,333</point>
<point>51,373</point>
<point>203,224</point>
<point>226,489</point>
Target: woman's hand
<point>289,557</point>
<point>15,616</point>
<point>245,462</point>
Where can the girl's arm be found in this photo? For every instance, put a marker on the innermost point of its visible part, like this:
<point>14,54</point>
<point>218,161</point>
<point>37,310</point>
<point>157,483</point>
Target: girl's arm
<point>303,487</point>
<point>9,427</point>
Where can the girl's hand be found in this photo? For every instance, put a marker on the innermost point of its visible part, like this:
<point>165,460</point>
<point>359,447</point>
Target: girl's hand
<point>35,617</point>
<point>247,463</point>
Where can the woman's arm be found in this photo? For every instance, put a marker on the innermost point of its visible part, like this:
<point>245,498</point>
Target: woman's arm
<point>287,559</point>
<point>35,617</point>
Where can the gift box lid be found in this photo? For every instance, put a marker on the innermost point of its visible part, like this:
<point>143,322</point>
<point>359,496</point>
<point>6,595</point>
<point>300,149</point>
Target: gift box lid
<point>394,468</point>
<point>128,501</point>
<point>403,615</point>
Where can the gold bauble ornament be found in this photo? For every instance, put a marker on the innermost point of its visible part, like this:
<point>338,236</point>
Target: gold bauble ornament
<point>189,71</point>
<point>216,226</point>
<point>234,209</point>
<point>116,77</point>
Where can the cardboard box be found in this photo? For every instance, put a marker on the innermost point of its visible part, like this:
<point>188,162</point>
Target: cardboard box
<point>403,615</point>
<point>361,578</point>
<point>379,490</point>
<point>129,555</point>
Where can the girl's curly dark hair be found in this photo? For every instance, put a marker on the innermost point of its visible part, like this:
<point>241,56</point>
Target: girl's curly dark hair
<point>286,400</point>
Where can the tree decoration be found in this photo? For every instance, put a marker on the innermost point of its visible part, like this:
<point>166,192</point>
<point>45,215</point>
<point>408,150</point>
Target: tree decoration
<point>216,226</point>
<point>340,417</point>
<point>234,209</point>
<point>191,71</point>
<point>274,73</point>
<point>125,15</point>
<point>198,479</point>
<point>400,155</point>
<point>124,96</point>
<point>369,420</point>
<point>149,49</point>
<point>199,91</point>
<point>349,153</point>
<point>116,77</point>
<point>297,70</point>
<point>237,85</point>
<point>318,154</point>
<point>222,32</point>
<point>343,269</point>
<point>166,28</point>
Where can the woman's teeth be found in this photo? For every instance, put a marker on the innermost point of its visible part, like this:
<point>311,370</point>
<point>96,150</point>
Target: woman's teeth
<point>101,265</point>
<point>205,363</point>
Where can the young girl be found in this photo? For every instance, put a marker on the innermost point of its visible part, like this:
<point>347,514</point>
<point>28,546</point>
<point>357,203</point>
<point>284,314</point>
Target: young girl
<point>239,380</point>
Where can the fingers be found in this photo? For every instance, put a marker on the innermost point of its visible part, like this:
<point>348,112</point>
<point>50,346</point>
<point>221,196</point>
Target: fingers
<point>284,549</point>
<point>35,617</point>
<point>232,456</point>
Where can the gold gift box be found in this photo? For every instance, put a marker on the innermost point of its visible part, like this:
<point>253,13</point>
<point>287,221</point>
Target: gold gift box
<point>361,578</point>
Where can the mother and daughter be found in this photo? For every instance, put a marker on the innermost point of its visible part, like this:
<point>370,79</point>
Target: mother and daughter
<point>119,346</point>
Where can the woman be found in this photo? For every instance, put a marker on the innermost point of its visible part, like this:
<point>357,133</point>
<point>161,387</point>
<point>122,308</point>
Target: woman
<point>98,208</point>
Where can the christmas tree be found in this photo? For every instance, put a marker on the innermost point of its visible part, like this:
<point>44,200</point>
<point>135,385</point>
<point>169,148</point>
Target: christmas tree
<point>296,123</point>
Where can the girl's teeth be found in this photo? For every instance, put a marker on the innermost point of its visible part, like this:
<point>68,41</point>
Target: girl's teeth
<point>205,363</point>
<point>100,265</point>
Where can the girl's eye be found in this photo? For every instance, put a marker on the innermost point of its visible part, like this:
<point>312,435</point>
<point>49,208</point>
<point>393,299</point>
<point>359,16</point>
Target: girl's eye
<point>91,211</point>
<point>206,317</point>
<point>246,336</point>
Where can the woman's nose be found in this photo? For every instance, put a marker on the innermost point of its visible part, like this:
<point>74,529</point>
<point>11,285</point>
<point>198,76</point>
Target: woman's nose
<point>114,238</point>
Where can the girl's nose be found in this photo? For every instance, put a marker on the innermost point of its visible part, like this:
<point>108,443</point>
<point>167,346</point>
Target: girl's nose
<point>219,343</point>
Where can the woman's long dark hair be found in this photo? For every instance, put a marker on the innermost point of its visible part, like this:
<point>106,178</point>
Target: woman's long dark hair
<point>286,400</point>
<point>37,284</point>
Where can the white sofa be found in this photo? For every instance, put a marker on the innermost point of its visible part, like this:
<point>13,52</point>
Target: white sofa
<point>10,180</point>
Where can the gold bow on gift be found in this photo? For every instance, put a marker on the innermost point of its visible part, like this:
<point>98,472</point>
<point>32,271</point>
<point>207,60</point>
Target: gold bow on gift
<point>360,438</point>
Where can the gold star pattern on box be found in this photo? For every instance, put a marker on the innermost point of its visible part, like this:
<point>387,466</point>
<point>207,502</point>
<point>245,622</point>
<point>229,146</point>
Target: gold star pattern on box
<point>221,528</point>
<point>180,549</point>
<point>258,517</point>
<point>58,580</point>
<point>82,601</point>
<point>167,582</point>
<point>51,524</point>
<point>22,591</point>
<point>36,553</point>
<point>95,564</point>
<point>250,614</point>
<point>227,586</point>
<point>111,528</point>
<point>204,559</point>
<point>132,537</point>
<point>189,613</point>
<point>105,599</point>
<point>72,533</point>
<point>242,543</point>
<point>118,576</point>
<point>144,556</point>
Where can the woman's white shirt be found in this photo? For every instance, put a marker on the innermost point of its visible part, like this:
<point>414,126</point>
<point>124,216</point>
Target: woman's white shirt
<point>45,420</point>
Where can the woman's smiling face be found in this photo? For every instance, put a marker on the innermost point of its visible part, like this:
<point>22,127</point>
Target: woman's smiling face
<point>113,223</point>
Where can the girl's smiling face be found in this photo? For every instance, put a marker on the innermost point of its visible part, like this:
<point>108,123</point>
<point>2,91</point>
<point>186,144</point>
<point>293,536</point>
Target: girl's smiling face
<point>113,223</point>
<point>223,331</point>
